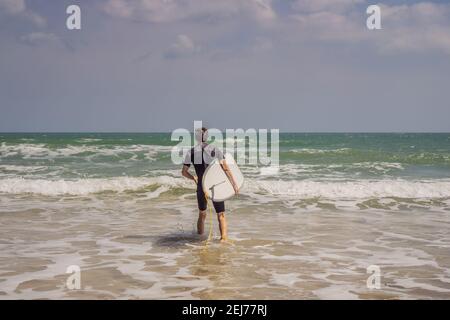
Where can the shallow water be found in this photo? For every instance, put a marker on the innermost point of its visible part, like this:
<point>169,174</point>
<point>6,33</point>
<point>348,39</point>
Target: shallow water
<point>277,251</point>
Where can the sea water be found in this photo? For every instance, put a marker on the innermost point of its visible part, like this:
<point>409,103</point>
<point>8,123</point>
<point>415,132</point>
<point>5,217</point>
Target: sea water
<point>115,205</point>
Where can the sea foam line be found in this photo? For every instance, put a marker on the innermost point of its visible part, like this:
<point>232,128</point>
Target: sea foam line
<point>86,186</point>
<point>278,189</point>
<point>28,150</point>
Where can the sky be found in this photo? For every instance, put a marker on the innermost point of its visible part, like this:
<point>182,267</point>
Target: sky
<point>158,65</point>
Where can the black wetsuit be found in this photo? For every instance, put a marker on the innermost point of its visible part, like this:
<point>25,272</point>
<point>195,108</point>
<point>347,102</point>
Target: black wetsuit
<point>201,156</point>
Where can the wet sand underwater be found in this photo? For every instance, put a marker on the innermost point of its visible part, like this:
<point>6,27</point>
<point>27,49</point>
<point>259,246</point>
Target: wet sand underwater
<point>285,250</point>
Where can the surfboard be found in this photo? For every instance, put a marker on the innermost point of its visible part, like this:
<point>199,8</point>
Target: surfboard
<point>216,184</point>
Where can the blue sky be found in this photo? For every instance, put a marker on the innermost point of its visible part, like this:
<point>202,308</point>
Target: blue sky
<point>157,65</point>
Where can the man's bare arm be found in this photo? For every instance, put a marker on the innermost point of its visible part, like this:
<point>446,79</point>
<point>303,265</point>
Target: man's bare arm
<point>227,171</point>
<point>185,173</point>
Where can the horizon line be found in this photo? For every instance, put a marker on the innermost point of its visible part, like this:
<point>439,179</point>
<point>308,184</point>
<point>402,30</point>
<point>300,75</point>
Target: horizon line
<point>167,132</point>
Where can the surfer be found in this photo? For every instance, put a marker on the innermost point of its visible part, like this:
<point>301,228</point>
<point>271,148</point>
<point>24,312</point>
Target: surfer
<point>201,156</point>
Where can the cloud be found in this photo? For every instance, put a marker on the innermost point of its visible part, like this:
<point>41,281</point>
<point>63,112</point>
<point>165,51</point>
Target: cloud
<point>35,18</point>
<point>336,6</point>
<point>419,27</point>
<point>329,26</point>
<point>328,20</point>
<point>39,38</point>
<point>12,6</point>
<point>18,8</point>
<point>119,8</point>
<point>262,44</point>
<point>164,11</point>
<point>182,47</point>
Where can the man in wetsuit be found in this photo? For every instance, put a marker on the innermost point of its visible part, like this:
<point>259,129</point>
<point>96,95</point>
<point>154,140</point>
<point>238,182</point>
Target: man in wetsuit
<point>201,156</point>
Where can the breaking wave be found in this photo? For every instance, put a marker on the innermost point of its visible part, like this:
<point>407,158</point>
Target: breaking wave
<point>356,189</point>
<point>43,151</point>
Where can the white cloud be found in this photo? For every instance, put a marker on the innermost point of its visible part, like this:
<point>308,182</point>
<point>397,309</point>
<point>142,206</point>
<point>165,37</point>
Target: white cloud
<point>39,38</point>
<point>328,26</point>
<point>329,20</point>
<point>118,8</point>
<point>335,6</point>
<point>158,11</point>
<point>182,47</point>
<point>19,8</point>
<point>12,6</point>
<point>35,18</point>
<point>262,44</point>
<point>419,27</point>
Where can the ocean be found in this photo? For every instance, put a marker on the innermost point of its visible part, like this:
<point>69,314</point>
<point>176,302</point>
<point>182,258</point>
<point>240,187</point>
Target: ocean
<point>115,205</point>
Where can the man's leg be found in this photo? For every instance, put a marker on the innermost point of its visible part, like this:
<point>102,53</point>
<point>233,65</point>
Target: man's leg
<point>202,206</point>
<point>201,221</point>
<point>222,226</point>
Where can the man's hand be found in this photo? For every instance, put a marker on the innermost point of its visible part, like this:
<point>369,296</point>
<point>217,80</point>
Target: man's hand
<point>185,173</point>
<point>236,190</point>
<point>227,171</point>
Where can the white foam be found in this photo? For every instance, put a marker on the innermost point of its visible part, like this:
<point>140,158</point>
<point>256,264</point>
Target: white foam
<point>269,171</point>
<point>89,186</point>
<point>311,168</point>
<point>278,189</point>
<point>285,279</point>
<point>320,151</point>
<point>22,169</point>
<point>357,189</point>
<point>90,140</point>
<point>27,150</point>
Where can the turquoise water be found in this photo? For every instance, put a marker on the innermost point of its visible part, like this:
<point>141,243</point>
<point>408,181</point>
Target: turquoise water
<point>312,165</point>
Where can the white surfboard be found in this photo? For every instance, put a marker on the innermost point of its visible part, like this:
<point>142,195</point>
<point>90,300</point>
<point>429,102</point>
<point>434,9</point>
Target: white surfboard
<point>216,184</point>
